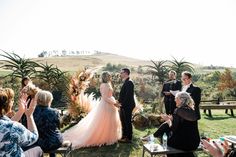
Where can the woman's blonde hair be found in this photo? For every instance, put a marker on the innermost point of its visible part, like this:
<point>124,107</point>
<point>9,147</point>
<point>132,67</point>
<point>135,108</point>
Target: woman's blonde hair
<point>105,76</point>
<point>44,98</point>
<point>10,93</point>
<point>185,99</point>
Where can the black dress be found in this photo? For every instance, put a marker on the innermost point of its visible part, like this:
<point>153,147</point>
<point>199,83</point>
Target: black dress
<point>183,134</point>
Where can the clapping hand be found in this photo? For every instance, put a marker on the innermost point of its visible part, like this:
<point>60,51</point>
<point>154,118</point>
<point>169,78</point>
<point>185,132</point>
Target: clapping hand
<point>22,105</point>
<point>166,117</point>
<point>29,111</point>
<point>22,102</point>
<point>214,149</point>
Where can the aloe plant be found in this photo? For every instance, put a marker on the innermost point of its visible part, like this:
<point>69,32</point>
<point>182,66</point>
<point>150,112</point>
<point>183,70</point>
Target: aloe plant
<point>20,67</point>
<point>158,69</point>
<point>180,65</point>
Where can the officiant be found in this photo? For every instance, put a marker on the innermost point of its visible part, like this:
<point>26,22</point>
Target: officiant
<point>171,86</point>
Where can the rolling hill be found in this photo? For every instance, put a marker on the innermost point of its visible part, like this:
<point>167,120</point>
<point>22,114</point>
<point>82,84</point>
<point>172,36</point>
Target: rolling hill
<point>73,63</point>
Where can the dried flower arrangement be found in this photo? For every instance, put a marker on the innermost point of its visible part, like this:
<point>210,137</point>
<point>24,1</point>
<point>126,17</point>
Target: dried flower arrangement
<point>78,84</point>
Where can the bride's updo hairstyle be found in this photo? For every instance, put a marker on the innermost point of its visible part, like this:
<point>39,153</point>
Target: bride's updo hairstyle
<point>185,99</point>
<point>106,77</point>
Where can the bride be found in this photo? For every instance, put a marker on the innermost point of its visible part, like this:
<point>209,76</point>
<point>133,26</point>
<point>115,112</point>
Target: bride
<point>101,125</point>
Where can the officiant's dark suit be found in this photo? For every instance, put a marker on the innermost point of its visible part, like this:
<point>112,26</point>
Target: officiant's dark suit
<point>169,99</point>
<point>126,99</point>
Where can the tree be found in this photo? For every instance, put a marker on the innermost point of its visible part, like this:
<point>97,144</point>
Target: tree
<point>20,67</point>
<point>53,79</point>
<point>212,78</point>
<point>52,76</point>
<point>180,66</point>
<point>226,81</point>
<point>159,69</point>
<point>43,54</point>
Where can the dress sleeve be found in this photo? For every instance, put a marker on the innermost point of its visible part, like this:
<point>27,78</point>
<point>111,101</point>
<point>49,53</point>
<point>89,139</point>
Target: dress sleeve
<point>175,122</point>
<point>186,113</point>
<point>105,94</point>
<point>23,136</point>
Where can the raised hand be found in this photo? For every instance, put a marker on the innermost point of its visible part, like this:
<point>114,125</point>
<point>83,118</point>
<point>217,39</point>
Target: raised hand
<point>22,102</point>
<point>213,149</point>
<point>29,111</point>
<point>22,105</point>
<point>166,117</point>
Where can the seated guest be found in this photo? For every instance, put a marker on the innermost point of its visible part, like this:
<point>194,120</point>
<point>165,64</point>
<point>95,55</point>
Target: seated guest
<point>215,150</point>
<point>13,135</point>
<point>181,127</point>
<point>48,122</point>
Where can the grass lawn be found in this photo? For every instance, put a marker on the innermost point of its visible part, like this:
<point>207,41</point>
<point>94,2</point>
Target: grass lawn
<point>220,124</point>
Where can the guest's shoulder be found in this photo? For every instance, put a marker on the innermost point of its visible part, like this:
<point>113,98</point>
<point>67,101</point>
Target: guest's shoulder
<point>53,110</point>
<point>186,112</point>
<point>178,81</point>
<point>129,81</point>
<point>6,122</point>
<point>17,127</point>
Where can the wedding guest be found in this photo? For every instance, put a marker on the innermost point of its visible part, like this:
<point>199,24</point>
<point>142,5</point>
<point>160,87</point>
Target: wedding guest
<point>174,85</point>
<point>181,127</point>
<point>195,92</point>
<point>24,82</point>
<point>48,123</point>
<point>13,135</point>
<point>215,150</point>
<point>11,95</point>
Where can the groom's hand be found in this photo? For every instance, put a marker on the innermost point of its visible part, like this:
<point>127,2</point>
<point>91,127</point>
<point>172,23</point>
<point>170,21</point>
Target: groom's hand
<point>118,105</point>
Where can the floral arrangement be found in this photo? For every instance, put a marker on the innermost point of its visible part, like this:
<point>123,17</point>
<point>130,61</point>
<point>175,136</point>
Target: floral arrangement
<point>78,84</point>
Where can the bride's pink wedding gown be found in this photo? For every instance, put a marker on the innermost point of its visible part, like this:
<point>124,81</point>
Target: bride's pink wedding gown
<point>101,125</point>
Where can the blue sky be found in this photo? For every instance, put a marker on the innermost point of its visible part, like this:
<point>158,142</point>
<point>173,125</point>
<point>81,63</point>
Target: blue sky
<point>201,31</point>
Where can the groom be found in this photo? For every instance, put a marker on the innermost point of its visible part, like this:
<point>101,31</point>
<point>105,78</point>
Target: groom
<point>126,99</point>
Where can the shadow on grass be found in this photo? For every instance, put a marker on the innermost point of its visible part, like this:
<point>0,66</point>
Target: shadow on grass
<point>115,150</point>
<point>219,117</point>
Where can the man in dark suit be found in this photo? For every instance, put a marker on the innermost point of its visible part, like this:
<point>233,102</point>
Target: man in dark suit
<point>126,99</point>
<point>194,91</point>
<point>169,99</point>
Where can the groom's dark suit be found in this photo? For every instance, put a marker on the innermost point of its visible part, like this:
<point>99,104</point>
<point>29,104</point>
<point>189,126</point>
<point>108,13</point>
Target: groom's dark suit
<point>126,99</point>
